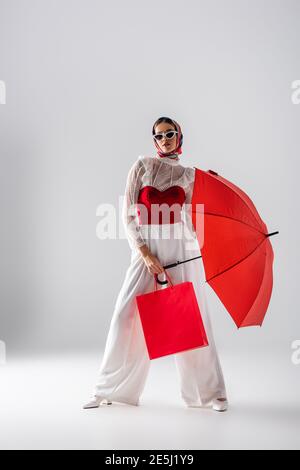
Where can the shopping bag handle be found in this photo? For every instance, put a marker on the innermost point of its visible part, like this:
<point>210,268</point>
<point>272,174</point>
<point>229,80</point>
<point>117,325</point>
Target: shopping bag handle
<point>156,280</point>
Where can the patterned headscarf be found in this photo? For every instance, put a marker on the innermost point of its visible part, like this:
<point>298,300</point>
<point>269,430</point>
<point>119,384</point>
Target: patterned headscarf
<point>179,140</point>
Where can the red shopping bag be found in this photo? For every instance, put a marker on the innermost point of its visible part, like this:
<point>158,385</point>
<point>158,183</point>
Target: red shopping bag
<point>171,319</point>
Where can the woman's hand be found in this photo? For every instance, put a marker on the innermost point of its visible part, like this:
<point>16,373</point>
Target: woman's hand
<point>152,262</point>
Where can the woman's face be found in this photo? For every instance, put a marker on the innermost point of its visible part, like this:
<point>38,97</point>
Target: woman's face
<point>166,145</point>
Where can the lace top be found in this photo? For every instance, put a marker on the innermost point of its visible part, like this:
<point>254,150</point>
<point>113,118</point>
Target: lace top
<point>160,173</point>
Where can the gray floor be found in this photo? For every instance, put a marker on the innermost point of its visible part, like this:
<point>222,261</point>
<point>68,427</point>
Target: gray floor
<point>41,398</point>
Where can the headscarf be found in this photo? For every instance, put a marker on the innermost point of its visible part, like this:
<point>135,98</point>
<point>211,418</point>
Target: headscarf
<point>179,140</point>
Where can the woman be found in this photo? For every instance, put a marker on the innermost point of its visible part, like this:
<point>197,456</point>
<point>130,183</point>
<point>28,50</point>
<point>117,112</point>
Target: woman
<point>155,242</point>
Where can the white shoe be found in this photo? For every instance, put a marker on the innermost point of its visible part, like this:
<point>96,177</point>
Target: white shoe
<point>219,405</point>
<point>95,402</point>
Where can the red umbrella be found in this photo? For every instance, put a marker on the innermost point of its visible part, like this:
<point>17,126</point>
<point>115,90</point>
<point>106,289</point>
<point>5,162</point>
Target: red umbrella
<point>237,254</point>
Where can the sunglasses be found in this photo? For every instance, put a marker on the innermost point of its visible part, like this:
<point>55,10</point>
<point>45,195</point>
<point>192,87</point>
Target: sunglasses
<point>169,135</point>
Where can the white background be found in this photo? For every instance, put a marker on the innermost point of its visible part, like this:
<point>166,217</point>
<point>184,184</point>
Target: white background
<point>85,80</point>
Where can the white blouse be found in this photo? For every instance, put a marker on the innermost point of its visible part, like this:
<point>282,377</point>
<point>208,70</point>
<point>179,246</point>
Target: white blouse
<point>161,173</point>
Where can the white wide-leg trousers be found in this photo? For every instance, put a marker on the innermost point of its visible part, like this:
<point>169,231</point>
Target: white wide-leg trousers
<point>125,363</point>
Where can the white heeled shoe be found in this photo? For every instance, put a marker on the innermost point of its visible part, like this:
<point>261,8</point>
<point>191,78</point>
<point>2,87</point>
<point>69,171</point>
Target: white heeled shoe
<point>95,402</point>
<point>220,405</point>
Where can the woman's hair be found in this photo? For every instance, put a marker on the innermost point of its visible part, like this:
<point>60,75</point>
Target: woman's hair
<point>162,119</point>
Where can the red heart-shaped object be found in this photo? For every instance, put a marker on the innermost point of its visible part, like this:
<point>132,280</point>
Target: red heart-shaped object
<point>149,195</point>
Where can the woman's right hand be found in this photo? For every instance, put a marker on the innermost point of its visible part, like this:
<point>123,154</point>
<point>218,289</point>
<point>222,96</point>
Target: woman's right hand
<point>151,261</point>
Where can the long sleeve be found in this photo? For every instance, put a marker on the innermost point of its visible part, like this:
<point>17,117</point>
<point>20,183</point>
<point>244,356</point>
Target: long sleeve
<point>129,215</point>
<point>187,208</point>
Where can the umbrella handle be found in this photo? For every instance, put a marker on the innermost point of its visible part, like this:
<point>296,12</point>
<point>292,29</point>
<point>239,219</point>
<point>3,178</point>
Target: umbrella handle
<point>156,280</point>
<point>160,282</point>
<point>172,266</point>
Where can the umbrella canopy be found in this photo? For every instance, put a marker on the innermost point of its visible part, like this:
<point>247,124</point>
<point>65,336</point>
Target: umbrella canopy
<point>237,254</point>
